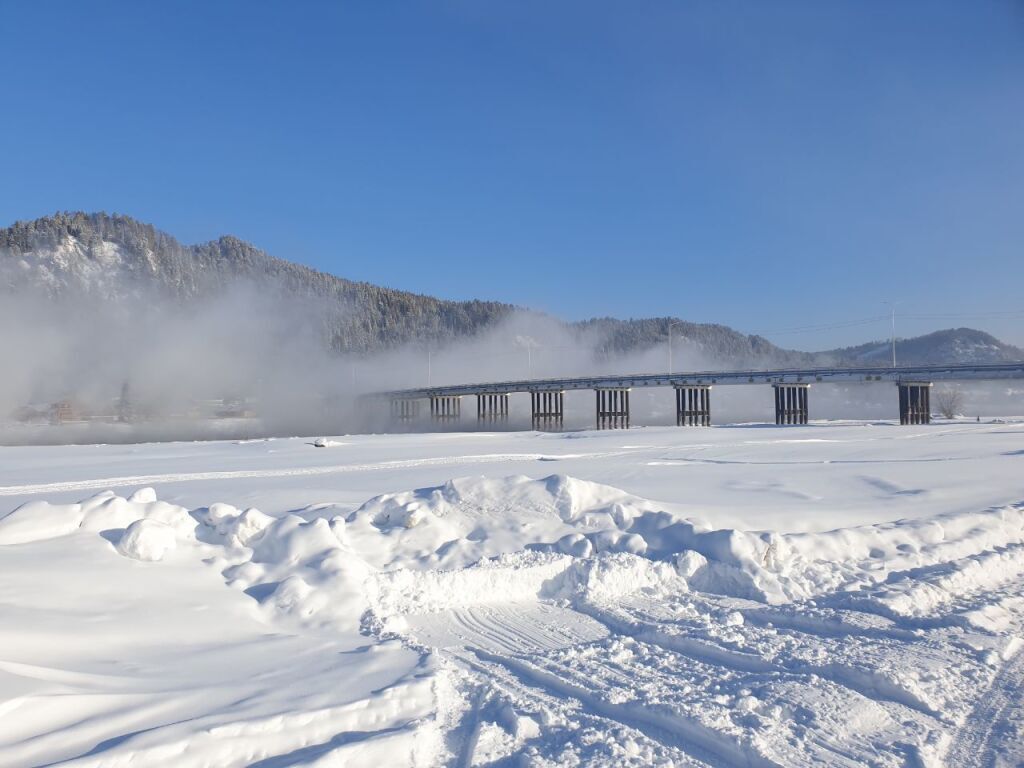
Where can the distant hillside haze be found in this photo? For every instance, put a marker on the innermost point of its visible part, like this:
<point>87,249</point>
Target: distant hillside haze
<point>97,257</point>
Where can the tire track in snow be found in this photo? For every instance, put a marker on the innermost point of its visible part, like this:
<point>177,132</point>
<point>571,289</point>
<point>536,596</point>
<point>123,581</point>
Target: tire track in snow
<point>499,685</point>
<point>947,589</point>
<point>506,628</point>
<point>861,681</point>
<point>500,636</point>
<point>524,630</point>
<point>673,731</point>
<point>463,739</point>
<point>472,623</point>
<point>508,632</point>
<point>982,740</point>
<point>243,474</point>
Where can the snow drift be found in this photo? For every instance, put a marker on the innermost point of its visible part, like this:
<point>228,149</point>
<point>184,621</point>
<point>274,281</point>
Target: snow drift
<point>460,619</point>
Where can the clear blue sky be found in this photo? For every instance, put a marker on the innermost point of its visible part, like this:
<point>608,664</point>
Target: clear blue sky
<point>767,165</point>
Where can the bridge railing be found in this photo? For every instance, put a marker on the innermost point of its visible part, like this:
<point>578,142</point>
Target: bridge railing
<point>693,392</point>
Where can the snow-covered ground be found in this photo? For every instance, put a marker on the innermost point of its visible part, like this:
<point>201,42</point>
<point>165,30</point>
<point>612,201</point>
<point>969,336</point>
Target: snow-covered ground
<point>836,594</point>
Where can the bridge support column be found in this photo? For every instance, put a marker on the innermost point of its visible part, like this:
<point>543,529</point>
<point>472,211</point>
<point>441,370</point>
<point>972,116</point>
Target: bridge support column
<point>693,405</point>
<point>405,409</point>
<point>613,408</point>
<point>915,402</point>
<point>492,407</point>
<point>791,403</point>
<point>547,409</point>
<point>445,408</point>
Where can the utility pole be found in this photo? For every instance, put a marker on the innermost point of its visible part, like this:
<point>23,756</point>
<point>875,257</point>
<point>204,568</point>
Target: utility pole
<point>530,344</point>
<point>894,336</point>
<point>893,304</point>
<point>670,326</point>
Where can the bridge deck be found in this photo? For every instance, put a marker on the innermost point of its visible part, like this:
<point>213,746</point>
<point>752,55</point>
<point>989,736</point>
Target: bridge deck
<point>719,378</point>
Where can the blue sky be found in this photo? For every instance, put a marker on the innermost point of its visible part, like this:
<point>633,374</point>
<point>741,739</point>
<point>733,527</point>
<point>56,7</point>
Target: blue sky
<point>769,166</point>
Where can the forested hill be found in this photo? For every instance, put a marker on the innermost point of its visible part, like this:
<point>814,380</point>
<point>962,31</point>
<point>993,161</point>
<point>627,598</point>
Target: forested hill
<point>960,345</point>
<point>114,258</point>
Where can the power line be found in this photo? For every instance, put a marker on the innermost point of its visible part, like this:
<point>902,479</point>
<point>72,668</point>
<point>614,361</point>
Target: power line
<point>999,315</point>
<point>1008,314</point>
<point>824,327</point>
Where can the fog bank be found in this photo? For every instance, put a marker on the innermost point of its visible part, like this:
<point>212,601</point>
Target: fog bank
<point>254,364</point>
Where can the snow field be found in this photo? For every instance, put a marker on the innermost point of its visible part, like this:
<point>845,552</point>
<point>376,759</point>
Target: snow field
<point>505,620</point>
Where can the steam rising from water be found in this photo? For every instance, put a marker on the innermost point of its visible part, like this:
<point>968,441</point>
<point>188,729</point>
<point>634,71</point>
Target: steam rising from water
<point>253,364</point>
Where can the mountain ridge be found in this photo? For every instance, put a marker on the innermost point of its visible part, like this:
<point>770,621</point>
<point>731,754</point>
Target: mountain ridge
<point>116,258</point>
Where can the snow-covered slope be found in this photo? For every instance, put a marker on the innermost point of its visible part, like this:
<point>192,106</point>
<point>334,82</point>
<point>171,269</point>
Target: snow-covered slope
<point>117,259</point>
<point>318,616</point>
<point>955,345</point>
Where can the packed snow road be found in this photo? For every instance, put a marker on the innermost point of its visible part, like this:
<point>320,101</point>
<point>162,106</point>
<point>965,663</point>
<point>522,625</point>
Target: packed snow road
<point>838,594</point>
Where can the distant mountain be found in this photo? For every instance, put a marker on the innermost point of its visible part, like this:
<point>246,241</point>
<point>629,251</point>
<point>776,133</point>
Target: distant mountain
<point>117,259</point>
<point>955,345</point>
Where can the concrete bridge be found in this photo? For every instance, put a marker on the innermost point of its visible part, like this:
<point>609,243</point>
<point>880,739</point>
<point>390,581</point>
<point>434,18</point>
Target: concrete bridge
<point>692,393</point>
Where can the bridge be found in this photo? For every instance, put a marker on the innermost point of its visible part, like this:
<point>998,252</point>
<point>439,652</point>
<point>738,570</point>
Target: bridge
<point>692,393</point>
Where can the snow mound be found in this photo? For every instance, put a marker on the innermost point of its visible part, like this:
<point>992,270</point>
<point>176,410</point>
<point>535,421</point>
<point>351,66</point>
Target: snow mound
<point>479,540</point>
<point>525,576</point>
<point>147,540</point>
<point>323,442</point>
<point>232,527</point>
<point>320,568</point>
<point>468,519</point>
<point>38,520</point>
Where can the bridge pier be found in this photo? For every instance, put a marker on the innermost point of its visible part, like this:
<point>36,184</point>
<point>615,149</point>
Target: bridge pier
<point>405,409</point>
<point>915,402</point>
<point>492,407</point>
<point>445,407</point>
<point>791,403</point>
<point>613,408</point>
<point>693,405</point>
<point>547,409</point>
